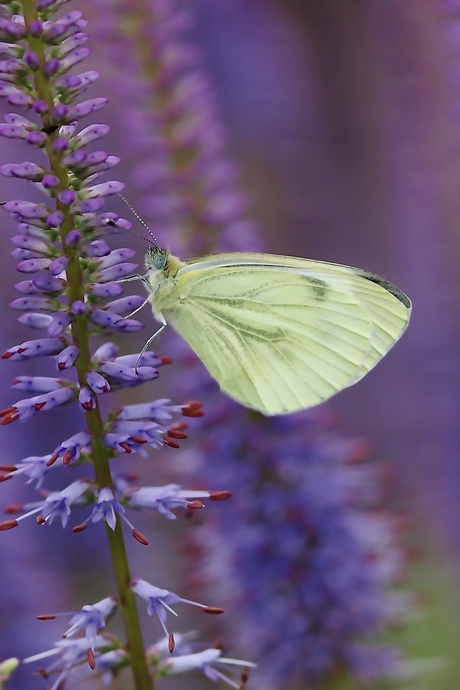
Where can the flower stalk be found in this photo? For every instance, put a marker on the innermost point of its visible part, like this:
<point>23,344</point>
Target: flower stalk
<point>71,294</point>
<point>99,453</point>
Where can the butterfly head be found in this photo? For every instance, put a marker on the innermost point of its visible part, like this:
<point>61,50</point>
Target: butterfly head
<point>156,259</point>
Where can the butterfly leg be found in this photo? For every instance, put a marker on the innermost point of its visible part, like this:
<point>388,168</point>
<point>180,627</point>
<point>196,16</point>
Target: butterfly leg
<point>130,279</point>
<point>144,303</point>
<point>150,341</point>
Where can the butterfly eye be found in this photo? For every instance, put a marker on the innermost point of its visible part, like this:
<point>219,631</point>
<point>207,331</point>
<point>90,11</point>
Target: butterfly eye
<point>159,261</point>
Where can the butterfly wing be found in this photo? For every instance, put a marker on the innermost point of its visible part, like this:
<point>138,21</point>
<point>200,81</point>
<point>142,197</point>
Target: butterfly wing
<point>281,334</point>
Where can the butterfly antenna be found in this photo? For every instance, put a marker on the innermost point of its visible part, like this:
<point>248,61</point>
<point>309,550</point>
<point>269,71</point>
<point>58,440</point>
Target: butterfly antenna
<point>141,221</point>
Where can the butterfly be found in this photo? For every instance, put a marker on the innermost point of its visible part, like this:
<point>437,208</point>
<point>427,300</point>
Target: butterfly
<point>278,333</point>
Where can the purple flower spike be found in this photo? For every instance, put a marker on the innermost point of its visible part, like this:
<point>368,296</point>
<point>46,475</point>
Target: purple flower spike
<point>63,247</point>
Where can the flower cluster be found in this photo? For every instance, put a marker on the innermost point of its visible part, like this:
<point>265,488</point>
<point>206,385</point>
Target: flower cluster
<point>69,658</point>
<point>70,292</point>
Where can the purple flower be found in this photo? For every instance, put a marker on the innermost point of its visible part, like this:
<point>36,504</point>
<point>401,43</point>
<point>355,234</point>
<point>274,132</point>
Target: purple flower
<point>56,505</point>
<point>107,508</point>
<point>165,499</point>
<point>71,654</point>
<point>208,662</point>
<point>92,619</point>
<point>160,601</point>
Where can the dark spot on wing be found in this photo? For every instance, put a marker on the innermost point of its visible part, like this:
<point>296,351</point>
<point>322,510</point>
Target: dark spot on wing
<point>389,287</point>
<point>319,288</point>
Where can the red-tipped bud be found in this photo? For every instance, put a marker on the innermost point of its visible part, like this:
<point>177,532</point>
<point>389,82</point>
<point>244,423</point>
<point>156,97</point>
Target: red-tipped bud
<point>213,610</point>
<point>171,643</point>
<point>91,659</point>
<point>7,411</point>
<point>11,417</point>
<point>79,528</point>
<point>8,524</point>
<point>193,409</point>
<point>41,520</point>
<point>138,536</point>
<point>5,477</point>
<point>8,468</point>
<point>177,433</point>
<point>195,505</point>
<point>170,442</point>
<point>219,495</point>
<point>125,447</point>
<point>67,457</point>
<point>14,508</point>
<point>138,439</point>
<point>52,459</point>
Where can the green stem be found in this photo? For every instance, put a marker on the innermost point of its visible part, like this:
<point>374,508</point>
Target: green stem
<point>80,335</point>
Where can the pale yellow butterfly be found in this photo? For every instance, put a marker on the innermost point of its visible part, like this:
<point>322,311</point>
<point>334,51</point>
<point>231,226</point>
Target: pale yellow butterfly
<point>279,334</point>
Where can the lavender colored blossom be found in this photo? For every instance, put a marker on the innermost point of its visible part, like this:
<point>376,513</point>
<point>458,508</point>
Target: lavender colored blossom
<point>91,618</point>
<point>208,662</point>
<point>160,601</point>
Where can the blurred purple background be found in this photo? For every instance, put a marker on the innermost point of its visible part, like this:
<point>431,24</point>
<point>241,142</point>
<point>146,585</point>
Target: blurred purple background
<point>343,119</point>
